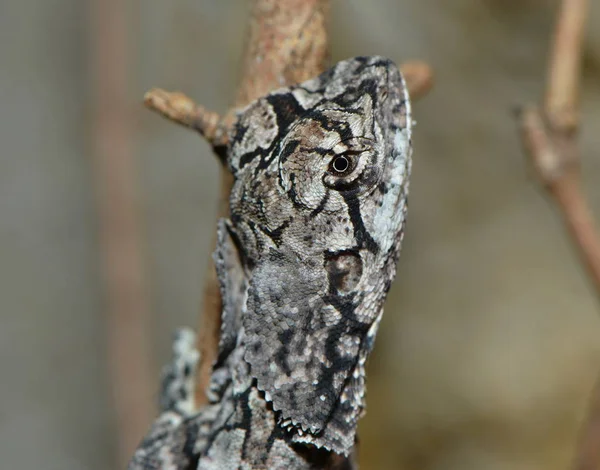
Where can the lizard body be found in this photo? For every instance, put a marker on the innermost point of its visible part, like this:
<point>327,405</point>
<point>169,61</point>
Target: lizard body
<point>305,262</point>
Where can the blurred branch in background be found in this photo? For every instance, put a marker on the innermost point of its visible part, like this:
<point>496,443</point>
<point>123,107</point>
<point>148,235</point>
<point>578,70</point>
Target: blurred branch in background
<point>120,235</point>
<point>549,135</point>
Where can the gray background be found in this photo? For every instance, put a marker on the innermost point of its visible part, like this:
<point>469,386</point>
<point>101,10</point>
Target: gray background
<point>491,339</point>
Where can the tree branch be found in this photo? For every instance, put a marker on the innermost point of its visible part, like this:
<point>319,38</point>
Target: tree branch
<point>419,78</point>
<point>549,136</point>
<point>181,109</point>
<point>562,89</point>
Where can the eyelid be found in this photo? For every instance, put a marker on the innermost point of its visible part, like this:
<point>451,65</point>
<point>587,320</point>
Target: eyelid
<point>355,145</point>
<point>351,152</point>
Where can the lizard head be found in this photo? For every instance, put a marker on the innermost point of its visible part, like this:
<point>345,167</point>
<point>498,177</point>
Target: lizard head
<point>326,161</point>
<point>318,206</point>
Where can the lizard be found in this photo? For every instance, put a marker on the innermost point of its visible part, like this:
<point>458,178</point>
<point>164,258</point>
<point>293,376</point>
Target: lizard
<point>304,261</point>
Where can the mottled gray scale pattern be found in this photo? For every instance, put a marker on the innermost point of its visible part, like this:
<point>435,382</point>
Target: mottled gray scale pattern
<point>305,262</point>
<point>288,345</point>
<point>167,445</point>
<point>233,286</point>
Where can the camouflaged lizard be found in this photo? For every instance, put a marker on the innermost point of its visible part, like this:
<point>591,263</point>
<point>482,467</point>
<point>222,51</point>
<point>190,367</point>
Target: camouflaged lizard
<point>305,262</point>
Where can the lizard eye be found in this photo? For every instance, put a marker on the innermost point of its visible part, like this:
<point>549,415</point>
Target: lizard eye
<point>344,163</point>
<point>351,168</point>
<point>340,165</point>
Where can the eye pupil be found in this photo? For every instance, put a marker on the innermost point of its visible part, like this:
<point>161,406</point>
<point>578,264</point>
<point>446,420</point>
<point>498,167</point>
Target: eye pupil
<point>340,164</point>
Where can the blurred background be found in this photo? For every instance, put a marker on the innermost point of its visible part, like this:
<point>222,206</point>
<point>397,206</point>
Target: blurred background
<point>491,339</point>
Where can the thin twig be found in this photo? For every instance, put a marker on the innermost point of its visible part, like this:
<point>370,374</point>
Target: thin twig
<point>587,456</point>
<point>550,139</point>
<point>419,78</point>
<point>562,87</point>
<point>550,134</point>
<point>119,231</point>
<point>181,109</point>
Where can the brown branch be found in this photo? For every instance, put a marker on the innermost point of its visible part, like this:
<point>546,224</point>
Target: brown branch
<point>587,456</point>
<point>181,109</point>
<point>549,135</point>
<point>119,230</point>
<point>550,139</point>
<point>562,88</point>
<point>419,78</point>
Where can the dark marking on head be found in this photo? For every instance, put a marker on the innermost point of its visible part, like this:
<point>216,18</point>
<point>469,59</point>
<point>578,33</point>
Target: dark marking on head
<point>276,234</point>
<point>344,269</point>
<point>363,237</point>
<point>283,353</point>
<point>321,206</point>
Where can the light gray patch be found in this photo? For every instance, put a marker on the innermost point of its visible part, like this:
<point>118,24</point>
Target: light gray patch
<point>281,458</point>
<point>163,446</point>
<point>225,452</point>
<point>305,98</point>
<point>178,378</point>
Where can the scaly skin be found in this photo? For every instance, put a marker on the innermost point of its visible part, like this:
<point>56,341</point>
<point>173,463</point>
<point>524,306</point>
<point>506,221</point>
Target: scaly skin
<point>305,262</point>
